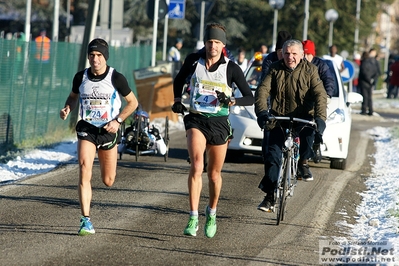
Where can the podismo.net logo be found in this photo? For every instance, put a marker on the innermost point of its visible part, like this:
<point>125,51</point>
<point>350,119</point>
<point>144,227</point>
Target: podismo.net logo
<point>357,252</point>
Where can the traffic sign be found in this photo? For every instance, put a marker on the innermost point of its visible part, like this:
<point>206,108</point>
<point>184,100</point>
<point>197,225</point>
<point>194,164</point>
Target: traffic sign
<point>349,71</point>
<point>177,9</point>
<point>162,8</point>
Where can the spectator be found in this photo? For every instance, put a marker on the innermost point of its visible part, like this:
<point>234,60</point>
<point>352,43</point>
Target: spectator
<point>42,47</point>
<point>263,49</point>
<point>394,79</point>
<point>355,82</point>
<point>338,60</point>
<point>374,59</point>
<point>175,57</point>
<point>241,61</point>
<point>391,60</point>
<point>367,75</point>
<point>174,51</point>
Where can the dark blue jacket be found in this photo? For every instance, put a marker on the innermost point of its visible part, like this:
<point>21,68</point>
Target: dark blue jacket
<point>269,59</point>
<point>325,75</point>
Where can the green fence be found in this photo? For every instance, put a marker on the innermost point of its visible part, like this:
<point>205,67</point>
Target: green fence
<point>33,89</point>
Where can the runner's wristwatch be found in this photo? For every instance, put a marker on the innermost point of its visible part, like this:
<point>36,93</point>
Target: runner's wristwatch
<point>119,120</point>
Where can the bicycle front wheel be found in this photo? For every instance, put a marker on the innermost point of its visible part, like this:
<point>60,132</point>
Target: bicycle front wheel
<point>283,187</point>
<point>166,138</point>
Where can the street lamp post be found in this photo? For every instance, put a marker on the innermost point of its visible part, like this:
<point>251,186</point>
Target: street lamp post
<point>331,17</point>
<point>305,21</point>
<point>276,5</point>
<point>358,6</point>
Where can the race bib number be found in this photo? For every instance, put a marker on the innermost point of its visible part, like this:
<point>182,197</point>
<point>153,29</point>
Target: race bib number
<point>205,98</point>
<point>96,112</point>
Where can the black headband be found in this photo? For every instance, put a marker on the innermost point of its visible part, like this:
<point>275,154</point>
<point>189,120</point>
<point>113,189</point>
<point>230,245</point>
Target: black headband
<point>215,34</point>
<point>99,47</point>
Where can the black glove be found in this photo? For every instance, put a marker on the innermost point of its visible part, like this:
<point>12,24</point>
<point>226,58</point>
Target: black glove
<point>222,97</point>
<point>321,126</point>
<point>318,138</point>
<point>263,118</point>
<point>178,108</point>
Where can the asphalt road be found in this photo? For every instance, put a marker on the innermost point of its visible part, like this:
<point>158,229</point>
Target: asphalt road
<point>140,220</point>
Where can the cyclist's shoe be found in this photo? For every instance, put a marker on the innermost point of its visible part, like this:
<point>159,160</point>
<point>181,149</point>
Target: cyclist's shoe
<point>317,152</point>
<point>192,226</point>
<point>86,227</point>
<point>267,205</point>
<point>304,173</point>
<point>210,225</point>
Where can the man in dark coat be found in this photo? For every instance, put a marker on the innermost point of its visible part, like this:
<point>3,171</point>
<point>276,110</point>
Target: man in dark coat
<point>282,37</point>
<point>295,90</point>
<point>368,73</point>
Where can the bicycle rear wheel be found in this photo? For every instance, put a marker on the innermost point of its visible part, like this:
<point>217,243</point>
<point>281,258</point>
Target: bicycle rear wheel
<point>138,137</point>
<point>283,187</point>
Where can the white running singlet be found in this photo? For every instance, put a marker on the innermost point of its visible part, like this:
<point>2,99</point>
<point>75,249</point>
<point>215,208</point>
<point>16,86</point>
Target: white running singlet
<point>203,97</point>
<point>100,102</point>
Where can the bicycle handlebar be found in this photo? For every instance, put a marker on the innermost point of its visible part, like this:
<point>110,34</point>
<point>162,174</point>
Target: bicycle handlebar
<point>294,119</point>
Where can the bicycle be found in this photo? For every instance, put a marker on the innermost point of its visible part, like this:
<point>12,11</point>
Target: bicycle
<point>287,179</point>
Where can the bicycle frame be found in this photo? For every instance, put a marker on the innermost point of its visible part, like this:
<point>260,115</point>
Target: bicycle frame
<point>287,179</point>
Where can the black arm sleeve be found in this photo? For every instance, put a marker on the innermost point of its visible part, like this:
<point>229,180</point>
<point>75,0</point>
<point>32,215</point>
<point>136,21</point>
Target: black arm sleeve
<point>185,71</point>
<point>77,80</point>
<point>235,74</point>
<point>120,83</point>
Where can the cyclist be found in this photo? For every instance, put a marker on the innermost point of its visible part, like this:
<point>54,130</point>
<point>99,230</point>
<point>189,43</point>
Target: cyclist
<point>295,90</point>
<point>282,37</point>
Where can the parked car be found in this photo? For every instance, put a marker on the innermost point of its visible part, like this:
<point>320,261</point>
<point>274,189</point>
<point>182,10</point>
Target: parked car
<point>248,136</point>
<point>339,122</point>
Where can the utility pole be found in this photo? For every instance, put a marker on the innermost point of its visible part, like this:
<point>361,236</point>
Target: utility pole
<point>90,26</point>
<point>202,19</point>
<point>358,4</point>
<point>154,34</point>
<point>56,16</point>
<point>165,35</point>
<point>27,20</point>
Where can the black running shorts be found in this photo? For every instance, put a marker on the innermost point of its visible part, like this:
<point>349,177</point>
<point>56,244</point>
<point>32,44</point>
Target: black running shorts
<point>97,135</point>
<point>217,130</point>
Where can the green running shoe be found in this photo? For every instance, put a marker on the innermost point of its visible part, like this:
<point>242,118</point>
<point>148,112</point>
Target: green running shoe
<point>192,226</point>
<point>86,227</point>
<point>210,225</point>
